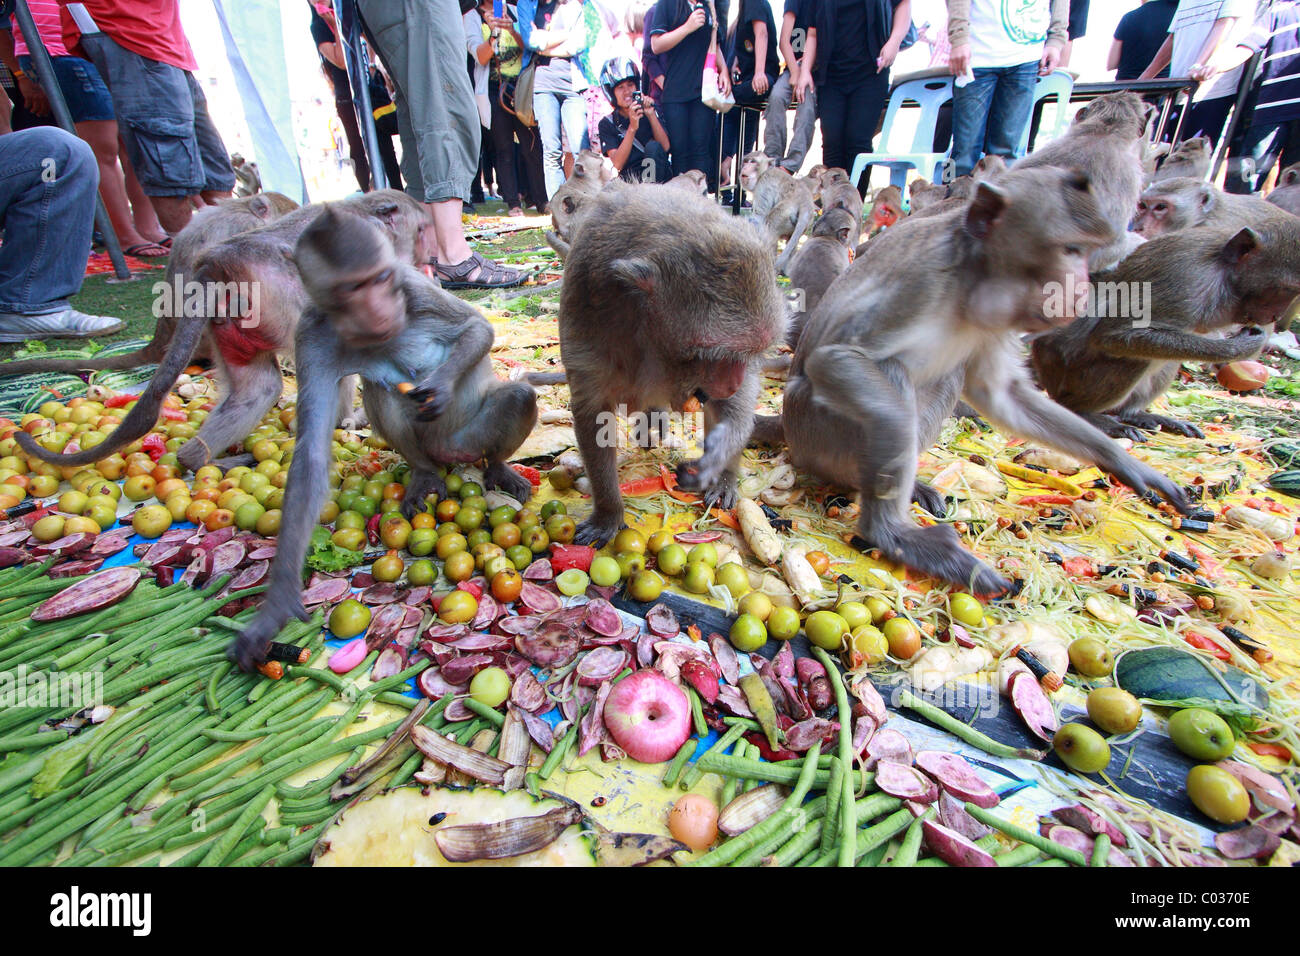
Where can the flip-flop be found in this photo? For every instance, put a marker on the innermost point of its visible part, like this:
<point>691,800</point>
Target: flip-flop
<point>137,250</point>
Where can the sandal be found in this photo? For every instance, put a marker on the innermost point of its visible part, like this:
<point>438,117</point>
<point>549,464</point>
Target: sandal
<point>490,275</point>
<point>141,250</point>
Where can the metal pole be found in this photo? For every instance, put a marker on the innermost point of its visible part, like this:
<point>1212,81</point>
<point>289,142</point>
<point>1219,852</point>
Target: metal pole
<point>1248,75</point>
<point>50,84</point>
<point>346,16</point>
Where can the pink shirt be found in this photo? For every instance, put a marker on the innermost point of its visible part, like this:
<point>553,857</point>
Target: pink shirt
<point>46,15</point>
<point>151,28</point>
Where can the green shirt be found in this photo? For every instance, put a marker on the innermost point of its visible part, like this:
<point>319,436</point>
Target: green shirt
<point>508,57</point>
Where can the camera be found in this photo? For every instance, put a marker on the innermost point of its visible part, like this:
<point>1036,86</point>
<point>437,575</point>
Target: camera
<point>636,98</point>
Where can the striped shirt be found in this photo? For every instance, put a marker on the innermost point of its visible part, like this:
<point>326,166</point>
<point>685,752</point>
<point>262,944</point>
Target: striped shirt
<point>1277,33</point>
<point>46,15</point>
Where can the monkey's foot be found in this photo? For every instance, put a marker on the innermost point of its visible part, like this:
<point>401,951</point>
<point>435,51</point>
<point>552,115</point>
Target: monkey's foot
<point>503,478</point>
<point>1114,428</point>
<point>598,529</point>
<point>929,499</point>
<point>233,461</point>
<point>354,420</point>
<point>962,410</point>
<point>936,551</point>
<point>423,484</point>
<point>1151,422</point>
<point>193,455</point>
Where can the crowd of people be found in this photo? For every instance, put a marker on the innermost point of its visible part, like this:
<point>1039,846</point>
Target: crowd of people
<point>496,99</point>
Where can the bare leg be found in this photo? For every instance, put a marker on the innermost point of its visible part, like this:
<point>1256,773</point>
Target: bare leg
<point>174,212</point>
<point>101,137</point>
<point>146,220</point>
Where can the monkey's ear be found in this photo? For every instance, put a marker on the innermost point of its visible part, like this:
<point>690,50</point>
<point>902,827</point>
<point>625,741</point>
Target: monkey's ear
<point>1205,196</point>
<point>1078,179</point>
<point>1240,247</point>
<point>1290,177</point>
<point>985,210</point>
<point>844,234</point>
<point>641,273</point>
<point>259,206</point>
<point>386,213</point>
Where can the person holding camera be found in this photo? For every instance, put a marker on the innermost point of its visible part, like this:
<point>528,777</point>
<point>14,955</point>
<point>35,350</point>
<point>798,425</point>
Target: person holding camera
<point>686,32</point>
<point>632,136</point>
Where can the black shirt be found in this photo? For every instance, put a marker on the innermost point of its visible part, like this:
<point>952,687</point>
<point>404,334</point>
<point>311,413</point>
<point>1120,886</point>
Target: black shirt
<point>321,33</point>
<point>612,130</point>
<point>848,56</point>
<point>1142,32</point>
<point>742,53</point>
<point>684,70</point>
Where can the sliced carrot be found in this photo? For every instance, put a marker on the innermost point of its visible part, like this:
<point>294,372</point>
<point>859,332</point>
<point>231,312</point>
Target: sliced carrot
<point>727,518</point>
<point>642,487</point>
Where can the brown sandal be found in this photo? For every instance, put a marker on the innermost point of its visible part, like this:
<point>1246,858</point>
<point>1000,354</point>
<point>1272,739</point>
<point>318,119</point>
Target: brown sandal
<point>490,275</point>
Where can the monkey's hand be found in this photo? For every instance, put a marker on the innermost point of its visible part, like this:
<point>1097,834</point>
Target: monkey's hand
<point>1142,478</point>
<point>1248,342</point>
<point>249,648</point>
<point>433,396</point>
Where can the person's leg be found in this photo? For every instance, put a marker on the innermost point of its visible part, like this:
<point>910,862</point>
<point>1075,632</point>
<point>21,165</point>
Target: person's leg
<point>970,114</point>
<point>101,137</point>
<point>1207,119</point>
<point>778,101</point>
<point>675,123</point>
<point>546,109</point>
<point>422,44</point>
<point>530,158</point>
<point>868,99</point>
<point>218,174</point>
<point>503,147</point>
<point>702,140</point>
<point>1010,110</point>
<point>573,115</point>
<point>142,211</point>
<point>155,112</point>
<point>835,105</point>
<point>1250,160</point>
<point>356,148</point>
<point>48,180</point>
<point>805,125</point>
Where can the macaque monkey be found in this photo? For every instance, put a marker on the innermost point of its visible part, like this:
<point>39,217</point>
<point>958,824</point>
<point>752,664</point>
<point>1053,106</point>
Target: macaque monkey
<point>844,196</point>
<point>922,194</point>
<point>1189,159</point>
<point>1287,193</point>
<point>209,225</point>
<point>692,181</point>
<point>1109,368</point>
<point>1172,204</point>
<point>591,173</point>
<point>782,203</point>
<point>259,299</point>
<point>372,314</point>
<point>1107,142</point>
<point>882,362</point>
<point>818,263</point>
<point>886,209</point>
<point>665,298</point>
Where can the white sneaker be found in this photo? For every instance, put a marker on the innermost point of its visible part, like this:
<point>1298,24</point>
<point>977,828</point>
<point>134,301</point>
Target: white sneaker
<point>67,324</point>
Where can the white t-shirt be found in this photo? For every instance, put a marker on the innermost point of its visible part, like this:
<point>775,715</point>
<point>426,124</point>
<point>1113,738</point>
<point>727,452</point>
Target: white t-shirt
<point>1192,24</point>
<point>1008,32</point>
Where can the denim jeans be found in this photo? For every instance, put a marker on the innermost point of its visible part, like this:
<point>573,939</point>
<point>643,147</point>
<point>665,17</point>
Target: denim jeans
<point>989,114</point>
<point>556,111</point>
<point>48,180</point>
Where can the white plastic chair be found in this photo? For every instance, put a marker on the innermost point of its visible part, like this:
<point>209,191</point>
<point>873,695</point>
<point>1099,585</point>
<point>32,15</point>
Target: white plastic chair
<point>929,90</point>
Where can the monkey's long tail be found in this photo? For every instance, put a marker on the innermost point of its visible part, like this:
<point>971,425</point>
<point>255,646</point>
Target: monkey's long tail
<point>145,355</point>
<point>144,415</point>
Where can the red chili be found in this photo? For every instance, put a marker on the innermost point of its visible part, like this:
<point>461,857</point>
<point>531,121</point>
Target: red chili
<point>1201,642</point>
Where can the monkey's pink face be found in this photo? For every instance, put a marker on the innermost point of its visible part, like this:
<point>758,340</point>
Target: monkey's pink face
<point>1151,216</point>
<point>748,175</point>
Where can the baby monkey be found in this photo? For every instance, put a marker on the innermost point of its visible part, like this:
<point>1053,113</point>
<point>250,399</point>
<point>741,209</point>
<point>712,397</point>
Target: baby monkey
<point>374,316</point>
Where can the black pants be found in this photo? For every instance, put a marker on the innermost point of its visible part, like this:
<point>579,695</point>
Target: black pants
<point>653,166</point>
<point>360,165</point>
<point>691,127</point>
<point>745,96</point>
<point>1254,154</point>
<point>850,112</point>
<point>512,171</point>
<point>386,128</point>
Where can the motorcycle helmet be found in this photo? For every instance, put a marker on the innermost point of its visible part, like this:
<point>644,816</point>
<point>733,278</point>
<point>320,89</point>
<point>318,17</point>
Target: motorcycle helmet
<point>616,71</point>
